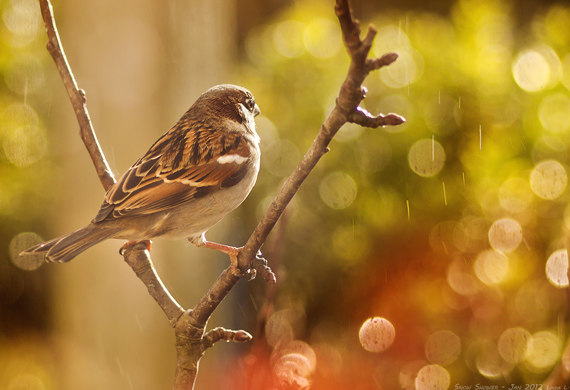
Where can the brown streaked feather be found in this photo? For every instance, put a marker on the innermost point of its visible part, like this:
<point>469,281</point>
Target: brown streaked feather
<point>178,168</point>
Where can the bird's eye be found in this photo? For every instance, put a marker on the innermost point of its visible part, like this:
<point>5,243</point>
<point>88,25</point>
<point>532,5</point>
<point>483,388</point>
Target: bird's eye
<point>250,104</point>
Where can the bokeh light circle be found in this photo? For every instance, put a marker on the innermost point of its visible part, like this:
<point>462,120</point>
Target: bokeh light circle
<point>531,71</point>
<point>557,268</point>
<point>442,347</point>
<point>20,243</point>
<point>376,334</point>
<point>288,38</point>
<point>407,69</point>
<point>322,38</point>
<point>491,267</point>
<point>426,157</point>
<point>513,343</point>
<point>461,279</point>
<point>25,145</point>
<point>543,350</point>
<point>488,361</point>
<point>554,113</point>
<point>505,235</point>
<point>390,38</point>
<point>296,347</point>
<point>432,377</point>
<point>281,157</point>
<point>548,179</point>
<point>515,195</point>
<point>24,74</point>
<point>338,190</point>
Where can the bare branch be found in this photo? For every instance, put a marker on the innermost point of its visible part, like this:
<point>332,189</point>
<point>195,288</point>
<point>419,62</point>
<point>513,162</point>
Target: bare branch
<point>76,96</point>
<point>363,118</point>
<point>189,325</point>
<point>138,258</point>
<point>346,110</point>
<point>377,63</point>
<point>220,333</point>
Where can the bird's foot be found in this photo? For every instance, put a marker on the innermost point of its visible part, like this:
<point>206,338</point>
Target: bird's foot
<point>231,251</point>
<point>129,244</point>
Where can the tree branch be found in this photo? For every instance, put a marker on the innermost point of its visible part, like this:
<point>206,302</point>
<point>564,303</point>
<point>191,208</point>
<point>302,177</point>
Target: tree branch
<point>189,325</point>
<point>138,258</point>
<point>76,96</point>
<point>346,110</point>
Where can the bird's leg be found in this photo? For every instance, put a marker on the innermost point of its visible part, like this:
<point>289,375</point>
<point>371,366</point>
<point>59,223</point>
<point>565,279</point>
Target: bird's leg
<point>231,251</point>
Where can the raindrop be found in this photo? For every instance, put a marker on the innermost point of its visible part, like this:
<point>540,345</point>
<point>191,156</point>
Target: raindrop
<point>548,179</point>
<point>557,268</point>
<point>505,235</point>
<point>432,377</point>
<point>480,140</point>
<point>377,334</point>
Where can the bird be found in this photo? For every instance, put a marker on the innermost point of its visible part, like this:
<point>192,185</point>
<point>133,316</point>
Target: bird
<point>196,173</point>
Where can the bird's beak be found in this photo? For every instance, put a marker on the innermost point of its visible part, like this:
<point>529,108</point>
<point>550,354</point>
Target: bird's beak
<point>256,110</point>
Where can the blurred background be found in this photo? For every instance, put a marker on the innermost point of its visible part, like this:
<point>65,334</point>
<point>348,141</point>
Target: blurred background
<point>428,255</point>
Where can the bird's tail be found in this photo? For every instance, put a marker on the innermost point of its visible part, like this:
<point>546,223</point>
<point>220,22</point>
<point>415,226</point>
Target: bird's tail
<point>65,248</point>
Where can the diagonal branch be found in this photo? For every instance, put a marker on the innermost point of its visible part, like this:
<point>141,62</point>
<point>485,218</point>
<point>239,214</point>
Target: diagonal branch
<point>138,258</point>
<point>346,110</point>
<point>77,97</point>
<point>189,325</point>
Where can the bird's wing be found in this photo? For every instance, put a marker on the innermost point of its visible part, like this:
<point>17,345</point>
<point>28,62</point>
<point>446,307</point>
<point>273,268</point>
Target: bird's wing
<point>180,167</point>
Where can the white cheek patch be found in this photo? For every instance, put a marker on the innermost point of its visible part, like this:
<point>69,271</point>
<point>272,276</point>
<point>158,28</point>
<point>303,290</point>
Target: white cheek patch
<point>231,158</point>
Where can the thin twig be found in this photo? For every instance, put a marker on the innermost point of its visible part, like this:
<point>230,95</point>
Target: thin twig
<point>76,96</point>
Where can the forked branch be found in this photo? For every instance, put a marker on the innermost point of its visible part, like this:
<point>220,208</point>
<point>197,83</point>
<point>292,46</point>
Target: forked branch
<point>189,325</point>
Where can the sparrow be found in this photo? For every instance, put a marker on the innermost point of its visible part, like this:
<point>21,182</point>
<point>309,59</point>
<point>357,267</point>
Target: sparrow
<point>200,170</point>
